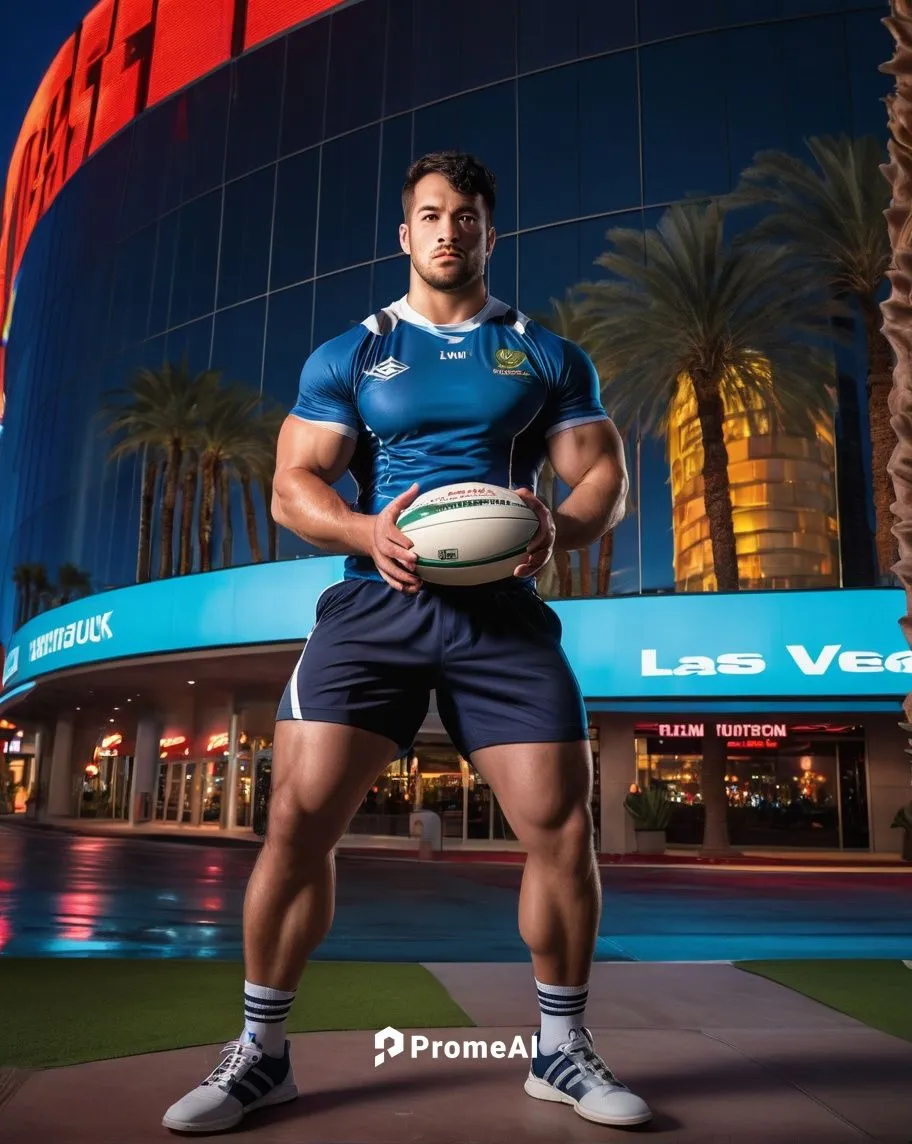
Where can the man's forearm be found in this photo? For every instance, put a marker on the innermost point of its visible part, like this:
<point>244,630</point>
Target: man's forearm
<point>592,509</point>
<point>306,505</point>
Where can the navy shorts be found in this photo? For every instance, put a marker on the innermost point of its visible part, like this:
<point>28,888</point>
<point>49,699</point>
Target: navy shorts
<point>492,653</point>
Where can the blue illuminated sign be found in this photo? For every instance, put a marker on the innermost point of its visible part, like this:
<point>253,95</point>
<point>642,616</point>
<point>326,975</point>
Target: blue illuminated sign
<point>775,645</point>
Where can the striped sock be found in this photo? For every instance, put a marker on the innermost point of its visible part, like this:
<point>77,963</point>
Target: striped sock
<point>265,1013</point>
<point>563,1008</point>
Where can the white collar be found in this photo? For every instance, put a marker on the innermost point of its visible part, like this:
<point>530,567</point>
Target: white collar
<point>406,313</point>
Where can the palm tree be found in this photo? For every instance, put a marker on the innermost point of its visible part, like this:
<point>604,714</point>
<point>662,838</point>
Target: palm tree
<point>739,326</point>
<point>72,583</point>
<point>160,414</point>
<point>189,485</point>
<point>42,590</point>
<point>22,579</point>
<point>263,470</point>
<point>253,461</point>
<point>566,320</point>
<point>140,428</point>
<point>833,214</point>
<point>224,428</point>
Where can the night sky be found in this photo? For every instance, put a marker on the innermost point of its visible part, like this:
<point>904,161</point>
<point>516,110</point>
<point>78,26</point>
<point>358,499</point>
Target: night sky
<point>32,35</point>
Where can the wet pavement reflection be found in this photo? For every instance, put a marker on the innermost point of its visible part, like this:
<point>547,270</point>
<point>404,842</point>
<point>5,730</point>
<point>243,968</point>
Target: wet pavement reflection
<point>68,895</point>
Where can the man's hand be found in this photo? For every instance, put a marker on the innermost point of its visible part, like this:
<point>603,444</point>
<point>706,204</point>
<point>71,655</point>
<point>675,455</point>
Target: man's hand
<point>541,546</point>
<point>391,549</point>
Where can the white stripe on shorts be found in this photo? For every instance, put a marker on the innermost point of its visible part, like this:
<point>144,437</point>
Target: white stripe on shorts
<point>293,686</point>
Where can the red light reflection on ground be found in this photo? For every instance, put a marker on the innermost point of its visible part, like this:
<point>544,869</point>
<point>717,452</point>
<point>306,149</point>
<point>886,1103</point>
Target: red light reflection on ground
<point>78,911</point>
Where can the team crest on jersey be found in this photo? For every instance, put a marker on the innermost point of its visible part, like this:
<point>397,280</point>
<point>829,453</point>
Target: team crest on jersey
<point>386,370</point>
<point>509,362</point>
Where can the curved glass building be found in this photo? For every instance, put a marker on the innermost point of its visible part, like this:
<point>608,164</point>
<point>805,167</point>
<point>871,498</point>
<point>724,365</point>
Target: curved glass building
<point>215,185</point>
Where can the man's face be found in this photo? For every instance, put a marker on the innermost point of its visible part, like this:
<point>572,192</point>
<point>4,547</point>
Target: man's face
<point>447,235</point>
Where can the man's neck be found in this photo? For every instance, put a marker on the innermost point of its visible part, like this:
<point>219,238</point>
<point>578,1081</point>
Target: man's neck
<point>446,309</point>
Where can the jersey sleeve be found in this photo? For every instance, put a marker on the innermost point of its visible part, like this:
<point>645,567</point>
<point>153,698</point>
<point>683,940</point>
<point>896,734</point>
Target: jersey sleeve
<point>575,399</point>
<point>326,392</point>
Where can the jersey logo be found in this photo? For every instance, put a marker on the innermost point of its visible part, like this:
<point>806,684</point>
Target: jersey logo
<point>509,363</point>
<point>509,359</point>
<point>385,370</point>
<point>454,355</point>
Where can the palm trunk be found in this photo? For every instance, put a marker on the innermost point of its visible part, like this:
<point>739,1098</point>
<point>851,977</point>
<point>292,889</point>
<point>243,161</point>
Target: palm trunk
<point>272,529</point>
<point>856,541</point>
<point>146,508</point>
<point>250,519</point>
<point>897,310</point>
<point>716,488</point>
<point>564,573</point>
<point>585,563</point>
<point>188,503</point>
<point>169,501</point>
<point>209,475</point>
<point>883,436</point>
<point>605,558</point>
<point>712,786</point>
<point>227,526</point>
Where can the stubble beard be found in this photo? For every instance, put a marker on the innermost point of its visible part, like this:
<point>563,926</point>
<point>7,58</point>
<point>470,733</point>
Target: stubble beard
<point>452,281</point>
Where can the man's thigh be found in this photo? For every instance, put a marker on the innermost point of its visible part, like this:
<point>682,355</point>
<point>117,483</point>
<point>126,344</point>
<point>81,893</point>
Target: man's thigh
<point>505,677</point>
<point>367,664</point>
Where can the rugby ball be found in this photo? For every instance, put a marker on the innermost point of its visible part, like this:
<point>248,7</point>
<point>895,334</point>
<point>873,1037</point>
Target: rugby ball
<point>469,533</point>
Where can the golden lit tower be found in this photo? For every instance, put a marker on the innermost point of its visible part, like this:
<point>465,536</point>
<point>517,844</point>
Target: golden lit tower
<point>783,499</point>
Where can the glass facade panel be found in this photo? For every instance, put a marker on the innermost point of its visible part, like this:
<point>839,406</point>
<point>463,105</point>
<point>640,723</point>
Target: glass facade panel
<point>305,87</point>
<point>685,145</point>
<point>348,200</point>
<point>198,123</point>
<point>295,219</point>
<point>246,226</point>
<point>484,124</point>
<point>354,93</point>
<point>256,213</point>
<point>395,159</point>
<point>196,259</point>
<point>287,342</point>
<point>237,346</point>
<point>255,108</point>
<point>342,301</point>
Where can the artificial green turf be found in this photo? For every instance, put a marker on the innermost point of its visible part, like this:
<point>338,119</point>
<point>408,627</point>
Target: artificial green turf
<point>878,993</point>
<point>68,1010</point>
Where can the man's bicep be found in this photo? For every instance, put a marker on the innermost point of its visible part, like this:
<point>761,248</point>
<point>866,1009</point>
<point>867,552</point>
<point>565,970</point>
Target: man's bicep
<point>593,449</point>
<point>315,447</point>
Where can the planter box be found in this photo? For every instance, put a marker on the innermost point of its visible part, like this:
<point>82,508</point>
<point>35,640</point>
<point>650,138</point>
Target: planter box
<point>650,841</point>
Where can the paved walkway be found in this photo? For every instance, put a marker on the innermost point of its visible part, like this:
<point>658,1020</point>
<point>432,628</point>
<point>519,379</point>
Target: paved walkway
<point>720,1055</point>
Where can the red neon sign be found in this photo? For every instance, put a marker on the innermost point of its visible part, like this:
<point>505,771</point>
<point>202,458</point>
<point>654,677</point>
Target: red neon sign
<point>123,58</point>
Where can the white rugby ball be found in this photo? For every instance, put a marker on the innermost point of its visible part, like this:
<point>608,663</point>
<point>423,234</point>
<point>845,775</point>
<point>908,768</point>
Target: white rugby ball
<point>469,533</point>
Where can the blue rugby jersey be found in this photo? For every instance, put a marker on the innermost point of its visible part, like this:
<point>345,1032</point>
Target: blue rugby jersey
<point>472,401</point>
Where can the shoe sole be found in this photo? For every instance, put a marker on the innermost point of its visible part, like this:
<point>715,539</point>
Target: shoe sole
<point>281,1094</point>
<point>541,1090</point>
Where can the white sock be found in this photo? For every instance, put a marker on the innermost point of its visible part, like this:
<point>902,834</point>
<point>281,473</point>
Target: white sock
<point>265,1013</point>
<point>563,1009</point>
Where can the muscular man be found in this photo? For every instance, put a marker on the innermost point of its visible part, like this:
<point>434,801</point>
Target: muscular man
<point>392,403</point>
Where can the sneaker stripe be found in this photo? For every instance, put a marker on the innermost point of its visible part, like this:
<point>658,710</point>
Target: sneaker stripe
<point>567,1072</point>
<point>559,1061</point>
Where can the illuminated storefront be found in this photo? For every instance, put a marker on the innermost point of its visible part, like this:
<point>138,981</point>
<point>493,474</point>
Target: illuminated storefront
<point>804,687</point>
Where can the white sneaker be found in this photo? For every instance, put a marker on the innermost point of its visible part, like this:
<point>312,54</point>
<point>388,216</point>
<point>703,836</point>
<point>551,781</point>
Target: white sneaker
<point>245,1079</point>
<point>577,1075</point>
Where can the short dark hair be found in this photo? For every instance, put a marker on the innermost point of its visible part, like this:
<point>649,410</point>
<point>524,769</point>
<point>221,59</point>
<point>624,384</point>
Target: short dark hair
<point>464,173</point>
